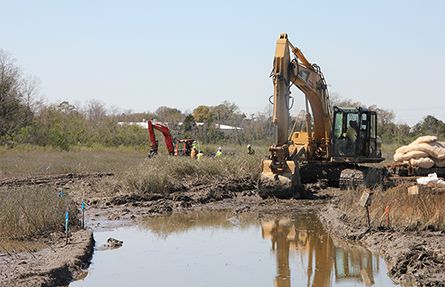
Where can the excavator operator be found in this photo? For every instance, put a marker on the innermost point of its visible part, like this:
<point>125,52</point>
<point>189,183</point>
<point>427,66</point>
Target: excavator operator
<point>351,132</point>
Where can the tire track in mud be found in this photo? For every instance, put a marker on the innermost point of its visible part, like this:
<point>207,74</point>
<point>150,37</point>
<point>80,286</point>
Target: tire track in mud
<point>57,179</point>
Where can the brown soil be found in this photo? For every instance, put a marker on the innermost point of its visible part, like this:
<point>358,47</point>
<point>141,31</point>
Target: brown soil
<point>415,257</point>
<point>56,265</point>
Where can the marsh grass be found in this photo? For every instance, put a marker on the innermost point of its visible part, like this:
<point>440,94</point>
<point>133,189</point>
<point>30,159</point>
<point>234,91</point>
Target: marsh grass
<point>162,174</point>
<point>425,210</point>
<point>33,211</point>
<point>28,212</point>
<point>40,161</point>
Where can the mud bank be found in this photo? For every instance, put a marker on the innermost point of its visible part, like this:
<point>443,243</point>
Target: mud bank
<point>416,258</point>
<point>57,264</point>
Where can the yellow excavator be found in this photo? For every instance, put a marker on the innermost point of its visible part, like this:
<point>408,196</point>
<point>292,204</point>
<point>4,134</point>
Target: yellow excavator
<point>336,140</point>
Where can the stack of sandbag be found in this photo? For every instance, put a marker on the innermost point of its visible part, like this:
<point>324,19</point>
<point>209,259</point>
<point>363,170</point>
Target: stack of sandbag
<point>424,152</point>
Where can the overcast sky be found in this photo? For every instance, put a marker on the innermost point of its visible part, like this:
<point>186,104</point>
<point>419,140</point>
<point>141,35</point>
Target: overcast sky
<point>140,55</point>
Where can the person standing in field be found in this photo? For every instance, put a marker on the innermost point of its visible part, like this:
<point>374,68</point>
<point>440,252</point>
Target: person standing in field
<point>219,152</point>
<point>250,150</point>
<point>199,155</point>
<point>193,153</point>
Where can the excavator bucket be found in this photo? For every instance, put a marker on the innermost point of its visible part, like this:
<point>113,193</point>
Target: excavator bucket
<point>281,182</point>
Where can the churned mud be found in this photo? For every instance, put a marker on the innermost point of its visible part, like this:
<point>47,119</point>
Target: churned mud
<point>415,257</point>
<point>54,264</point>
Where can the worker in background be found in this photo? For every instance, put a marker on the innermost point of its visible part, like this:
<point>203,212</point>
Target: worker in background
<point>218,152</point>
<point>250,150</point>
<point>195,144</point>
<point>200,155</point>
<point>194,153</point>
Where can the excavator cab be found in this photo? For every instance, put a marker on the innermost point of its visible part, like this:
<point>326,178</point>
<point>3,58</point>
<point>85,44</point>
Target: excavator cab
<point>184,147</point>
<point>355,136</point>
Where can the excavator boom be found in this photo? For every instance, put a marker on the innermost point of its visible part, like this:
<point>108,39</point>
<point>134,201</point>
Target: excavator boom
<point>167,137</point>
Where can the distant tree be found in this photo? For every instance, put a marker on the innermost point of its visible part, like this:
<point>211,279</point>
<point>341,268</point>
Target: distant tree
<point>170,115</point>
<point>129,116</point>
<point>189,123</point>
<point>203,114</point>
<point>429,126</point>
<point>15,111</point>
<point>228,113</point>
<point>338,101</point>
<point>95,111</point>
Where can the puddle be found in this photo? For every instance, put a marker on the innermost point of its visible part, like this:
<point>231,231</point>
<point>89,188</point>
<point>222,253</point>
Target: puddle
<point>214,249</point>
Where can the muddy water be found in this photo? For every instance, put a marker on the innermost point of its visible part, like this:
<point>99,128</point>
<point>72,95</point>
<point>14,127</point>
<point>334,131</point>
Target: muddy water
<point>215,249</point>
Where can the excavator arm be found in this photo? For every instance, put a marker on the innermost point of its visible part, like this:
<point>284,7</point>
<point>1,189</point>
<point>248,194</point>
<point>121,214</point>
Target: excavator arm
<point>281,171</point>
<point>310,80</point>
<point>167,137</point>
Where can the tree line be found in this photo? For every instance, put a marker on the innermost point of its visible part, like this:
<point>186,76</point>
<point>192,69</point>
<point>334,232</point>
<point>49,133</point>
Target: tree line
<point>25,120</point>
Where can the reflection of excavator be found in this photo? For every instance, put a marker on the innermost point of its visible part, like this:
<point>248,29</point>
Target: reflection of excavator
<point>329,145</point>
<point>323,256</point>
<point>183,146</point>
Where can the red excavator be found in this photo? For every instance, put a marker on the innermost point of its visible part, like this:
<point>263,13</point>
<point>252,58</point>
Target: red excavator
<point>183,146</point>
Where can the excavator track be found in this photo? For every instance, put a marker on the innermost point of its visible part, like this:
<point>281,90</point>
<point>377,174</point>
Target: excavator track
<point>351,179</point>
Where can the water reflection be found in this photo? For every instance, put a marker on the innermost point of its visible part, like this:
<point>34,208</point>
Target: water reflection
<point>324,258</point>
<point>221,249</point>
<point>178,223</point>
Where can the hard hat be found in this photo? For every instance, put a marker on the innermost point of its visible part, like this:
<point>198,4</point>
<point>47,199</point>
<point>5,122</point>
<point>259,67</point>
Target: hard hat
<point>220,148</point>
<point>248,146</point>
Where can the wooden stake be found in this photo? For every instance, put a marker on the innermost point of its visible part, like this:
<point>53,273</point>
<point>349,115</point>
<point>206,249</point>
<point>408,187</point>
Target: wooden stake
<point>367,216</point>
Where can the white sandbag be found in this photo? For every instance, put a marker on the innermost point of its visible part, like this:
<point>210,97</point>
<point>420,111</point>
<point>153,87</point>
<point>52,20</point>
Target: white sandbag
<point>404,149</point>
<point>398,157</point>
<point>425,162</point>
<point>409,155</point>
<point>424,139</point>
<point>431,178</point>
<point>434,149</point>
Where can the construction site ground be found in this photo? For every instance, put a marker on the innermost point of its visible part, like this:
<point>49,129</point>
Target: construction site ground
<point>415,257</point>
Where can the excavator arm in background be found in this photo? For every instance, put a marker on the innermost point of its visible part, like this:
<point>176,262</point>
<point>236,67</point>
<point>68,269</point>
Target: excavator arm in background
<point>167,138</point>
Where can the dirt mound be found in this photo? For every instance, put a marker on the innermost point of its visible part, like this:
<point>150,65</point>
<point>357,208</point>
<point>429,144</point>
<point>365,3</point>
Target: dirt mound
<point>225,190</point>
<point>56,265</point>
<point>416,257</point>
<point>419,264</point>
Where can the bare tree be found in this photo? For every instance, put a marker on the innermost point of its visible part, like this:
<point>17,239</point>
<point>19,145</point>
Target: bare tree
<point>96,111</point>
<point>14,112</point>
